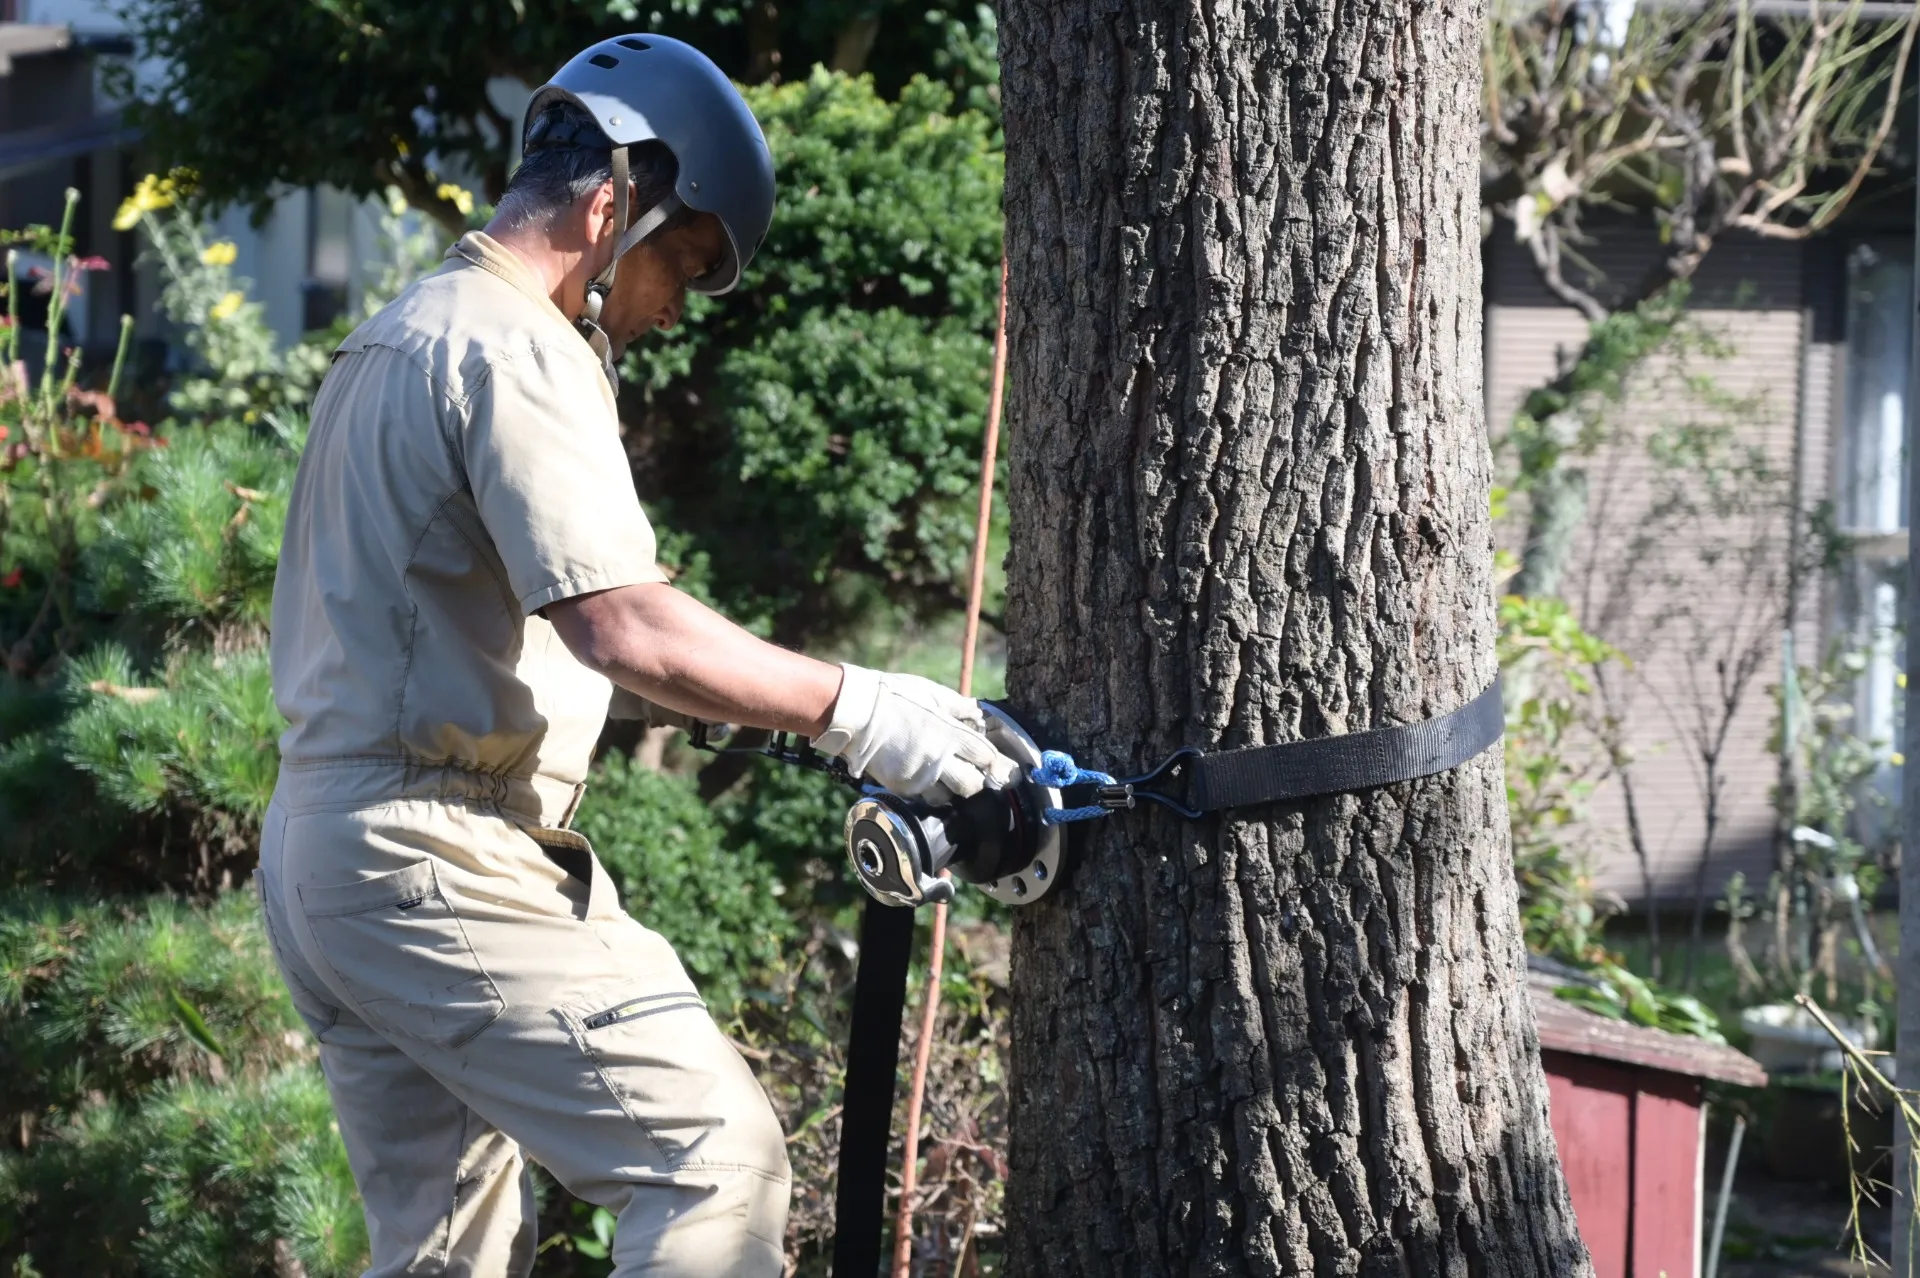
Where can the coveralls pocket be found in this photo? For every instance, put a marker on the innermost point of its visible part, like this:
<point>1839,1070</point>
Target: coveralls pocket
<point>399,950</point>
<point>667,1065</point>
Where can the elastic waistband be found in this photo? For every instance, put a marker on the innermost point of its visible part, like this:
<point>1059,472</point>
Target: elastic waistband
<point>535,800</point>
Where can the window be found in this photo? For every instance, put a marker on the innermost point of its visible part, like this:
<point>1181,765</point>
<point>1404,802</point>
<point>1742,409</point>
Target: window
<point>1871,493</point>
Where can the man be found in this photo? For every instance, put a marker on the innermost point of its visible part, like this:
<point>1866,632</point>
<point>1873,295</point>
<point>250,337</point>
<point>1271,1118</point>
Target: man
<point>466,576</point>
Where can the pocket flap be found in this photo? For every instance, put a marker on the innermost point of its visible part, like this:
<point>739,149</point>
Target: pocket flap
<point>553,837</point>
<point>413,884</point>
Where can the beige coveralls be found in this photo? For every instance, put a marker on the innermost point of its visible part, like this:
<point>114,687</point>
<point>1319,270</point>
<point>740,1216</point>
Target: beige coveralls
<point>473,999</point>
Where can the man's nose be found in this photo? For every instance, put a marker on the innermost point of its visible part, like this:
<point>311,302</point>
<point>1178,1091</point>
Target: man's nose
<point>669,315</point>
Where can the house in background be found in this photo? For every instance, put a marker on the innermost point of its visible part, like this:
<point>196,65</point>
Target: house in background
<point>308,261</point>
<point>1816,342</point>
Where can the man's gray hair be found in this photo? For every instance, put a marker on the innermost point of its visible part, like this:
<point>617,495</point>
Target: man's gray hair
<point>554,175</point>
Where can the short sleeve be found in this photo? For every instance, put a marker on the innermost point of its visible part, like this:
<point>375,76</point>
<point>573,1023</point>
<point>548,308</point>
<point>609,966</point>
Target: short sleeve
<point>551,481</point>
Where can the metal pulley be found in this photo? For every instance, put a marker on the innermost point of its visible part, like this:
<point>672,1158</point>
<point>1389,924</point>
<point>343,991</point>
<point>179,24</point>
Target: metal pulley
<point>998,840</point>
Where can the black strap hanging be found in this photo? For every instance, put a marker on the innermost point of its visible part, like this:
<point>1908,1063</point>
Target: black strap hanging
<point>873,1067</point>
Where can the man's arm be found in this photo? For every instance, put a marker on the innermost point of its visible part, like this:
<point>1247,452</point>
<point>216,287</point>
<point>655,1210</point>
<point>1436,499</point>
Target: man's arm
<point>904,733</point>
<point>672,649</point>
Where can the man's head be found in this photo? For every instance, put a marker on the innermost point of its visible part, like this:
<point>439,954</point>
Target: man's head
<point>561,198</point>
<point>623,102</point>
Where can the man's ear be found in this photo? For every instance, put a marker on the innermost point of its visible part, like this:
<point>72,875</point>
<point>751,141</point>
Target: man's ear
<point>600,213</point>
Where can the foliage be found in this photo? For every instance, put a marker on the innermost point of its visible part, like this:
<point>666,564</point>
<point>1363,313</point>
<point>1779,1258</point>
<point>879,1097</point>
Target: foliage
<point>103,1001</point>
<point>817,434</point>
<point>201,741</point>
<point>789,819</point>
<point>365,94</point>
<point>195,542</point>
<point>1572,413</point>
<point>1552,725</point>
<point>204,1179</point>
<point>224,330</point>
<point>1620,994</point>
<point>1814,915</point>
<point>1558,735</point>
<point>666,853</point>
<point>158,689</point>
<point>68,451</point>
<point>162,1108</point>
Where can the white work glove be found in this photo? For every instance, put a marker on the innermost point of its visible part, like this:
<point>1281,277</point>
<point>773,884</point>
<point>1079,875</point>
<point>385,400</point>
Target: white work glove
<point>912,737</point>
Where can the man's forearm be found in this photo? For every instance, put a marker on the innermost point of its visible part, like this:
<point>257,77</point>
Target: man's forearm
<point>672,649</point>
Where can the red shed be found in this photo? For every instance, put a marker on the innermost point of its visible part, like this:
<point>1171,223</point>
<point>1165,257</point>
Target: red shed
<point>1629,1121</point>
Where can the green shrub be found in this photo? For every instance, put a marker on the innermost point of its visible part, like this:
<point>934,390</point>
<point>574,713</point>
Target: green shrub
<point>667,854</point>
<point>197,538</point>
<point>164,1111</point>
<point>205,1180</point>
<point>818,433</point>
<point>200,738</point>
<point>106,1000</point>
<point>1554,730</point>
<point>791,819</point>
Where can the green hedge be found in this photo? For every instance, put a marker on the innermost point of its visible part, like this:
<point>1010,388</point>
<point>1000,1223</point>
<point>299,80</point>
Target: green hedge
<point>668,854</point>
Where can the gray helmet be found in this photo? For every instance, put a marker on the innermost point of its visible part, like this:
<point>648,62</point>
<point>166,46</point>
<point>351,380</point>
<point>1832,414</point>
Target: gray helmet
<point>643,88</point>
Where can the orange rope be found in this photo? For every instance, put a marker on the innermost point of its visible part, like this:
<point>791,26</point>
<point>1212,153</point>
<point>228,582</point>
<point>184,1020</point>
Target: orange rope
<point>930,1001</point>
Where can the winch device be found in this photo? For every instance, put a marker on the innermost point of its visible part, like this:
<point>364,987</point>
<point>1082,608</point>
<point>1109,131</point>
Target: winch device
<point>1001,841</point>
<point>1009,844</point>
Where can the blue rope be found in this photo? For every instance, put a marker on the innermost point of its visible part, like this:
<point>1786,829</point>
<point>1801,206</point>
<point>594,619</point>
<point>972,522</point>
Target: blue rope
<point>1057,770</point>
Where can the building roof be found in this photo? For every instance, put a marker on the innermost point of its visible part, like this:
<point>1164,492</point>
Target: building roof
<point>1566,1028</point>
<point>26,39</point>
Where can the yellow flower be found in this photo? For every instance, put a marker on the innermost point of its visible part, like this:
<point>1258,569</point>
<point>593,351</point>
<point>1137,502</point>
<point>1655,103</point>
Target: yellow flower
<point>151,194</point>
<point>226,306</point>
<point>458,196</point>
<point>1900,679</point>
<point>219,253</point>
<point>1897,759</point>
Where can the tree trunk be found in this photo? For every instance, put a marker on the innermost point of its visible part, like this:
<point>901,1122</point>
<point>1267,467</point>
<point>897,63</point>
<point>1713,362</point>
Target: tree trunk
<point>1249,504</point>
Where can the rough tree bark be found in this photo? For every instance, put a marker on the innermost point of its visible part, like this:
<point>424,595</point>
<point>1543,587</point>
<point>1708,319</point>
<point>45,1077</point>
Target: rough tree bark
<point>1249,504</point>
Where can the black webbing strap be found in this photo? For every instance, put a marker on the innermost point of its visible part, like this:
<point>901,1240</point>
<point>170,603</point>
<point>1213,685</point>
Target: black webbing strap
<point>866,1111</point>
<point>1354,761</point>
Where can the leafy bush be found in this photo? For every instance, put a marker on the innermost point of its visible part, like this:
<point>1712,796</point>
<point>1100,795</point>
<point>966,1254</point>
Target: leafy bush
<point>196,538</point>
<point>163,1112</point>
<point>667,854</point>
<point>156,697</point>
<point>201,741</point>
<point>790,819</point>
<point>1614,992</point>
<point>206,1179</point>
<point>1554,755</point>
<point>102,1001</point>
<point>817,434</point>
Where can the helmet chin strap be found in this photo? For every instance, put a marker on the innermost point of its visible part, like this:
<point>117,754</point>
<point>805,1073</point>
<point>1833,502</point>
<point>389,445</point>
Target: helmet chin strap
<point>631,238</point>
